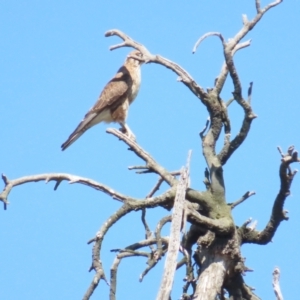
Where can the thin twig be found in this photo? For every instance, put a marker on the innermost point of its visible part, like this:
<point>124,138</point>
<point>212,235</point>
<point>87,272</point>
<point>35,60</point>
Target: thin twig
<point>158,184</point>
<point>149,233</point>
<point>241,200</point>
<point>152,263</point>
<point>155,188</point>
<point>203,37</point>
<point>158,229</point>
<point>140,152</point>
<point>229,101</point>
<point>138,168</point>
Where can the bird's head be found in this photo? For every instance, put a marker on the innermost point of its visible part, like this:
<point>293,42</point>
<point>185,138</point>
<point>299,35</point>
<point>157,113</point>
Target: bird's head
<point>135,58</point>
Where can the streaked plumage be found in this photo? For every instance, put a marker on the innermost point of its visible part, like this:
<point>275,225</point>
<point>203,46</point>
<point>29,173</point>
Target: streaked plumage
<point>113,103</point>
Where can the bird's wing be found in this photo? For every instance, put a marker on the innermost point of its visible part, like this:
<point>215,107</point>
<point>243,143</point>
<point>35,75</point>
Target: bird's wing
<point>114,92</point>
<point>112,95</point>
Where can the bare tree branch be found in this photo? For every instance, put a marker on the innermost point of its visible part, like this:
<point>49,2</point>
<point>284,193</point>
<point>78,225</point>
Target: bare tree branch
<point>222,226</point>
<point>241,200</point>
<point>96,261</point>
<point>252,226</point>
<point>230,146</point>
<point>220,80</point>
<point>155,188</point>
<point>158,229</point>
<point>229,49</point>
<point>113,274</point>
<point>152,262</point>
<point>151,163</point>
<point>97,266</point>
<point>218,34</point>
<point>148,232</point>
<point>275,283</point>
<point>129,251</point>
<point>158,184</point>
<point>278,213</point>
<point>257,4</point>
<point>58,177</point>
<point>147,229</point>
<point>128,206</point>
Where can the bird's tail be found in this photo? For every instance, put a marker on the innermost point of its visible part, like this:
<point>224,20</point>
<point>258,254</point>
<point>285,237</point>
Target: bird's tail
<point>83,126</point>
<point>72,138</point>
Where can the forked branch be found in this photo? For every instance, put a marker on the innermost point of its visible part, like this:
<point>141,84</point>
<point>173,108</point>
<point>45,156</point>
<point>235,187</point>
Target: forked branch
<point>184,76</point>
<point>128,206</point>
<point>229,49</point>
<point>131,251</point>
<point>278,213</point>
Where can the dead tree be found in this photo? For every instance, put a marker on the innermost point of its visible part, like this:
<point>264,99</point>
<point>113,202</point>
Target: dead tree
<point>203,217</point>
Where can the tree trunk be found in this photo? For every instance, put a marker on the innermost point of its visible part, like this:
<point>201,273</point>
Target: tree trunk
<point>213,270</point>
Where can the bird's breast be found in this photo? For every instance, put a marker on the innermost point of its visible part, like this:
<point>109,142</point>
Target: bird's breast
<point>136,82</point>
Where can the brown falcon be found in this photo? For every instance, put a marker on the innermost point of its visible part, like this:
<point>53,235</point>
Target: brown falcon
<point>113,103</point>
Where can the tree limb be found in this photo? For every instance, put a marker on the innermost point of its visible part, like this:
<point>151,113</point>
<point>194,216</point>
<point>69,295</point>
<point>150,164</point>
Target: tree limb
<point>278,213</point>
<point>229,49</point>
<point>158,184</point>
<point>241,200</point>
<point>129,251</point>
<point>151,163</point>
<point>221,78</point>
<point>184,76</point>
<point>58,177</point>
<point>222,226</point>
<point>158,237</point>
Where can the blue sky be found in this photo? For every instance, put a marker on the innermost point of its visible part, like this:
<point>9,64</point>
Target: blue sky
<point>54,62</point>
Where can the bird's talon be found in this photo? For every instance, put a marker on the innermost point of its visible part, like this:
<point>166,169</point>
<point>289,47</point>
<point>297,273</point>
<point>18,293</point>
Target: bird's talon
<point>123,130</point>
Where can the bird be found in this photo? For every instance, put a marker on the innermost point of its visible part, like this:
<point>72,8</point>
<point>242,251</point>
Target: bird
<point>114,100</point>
